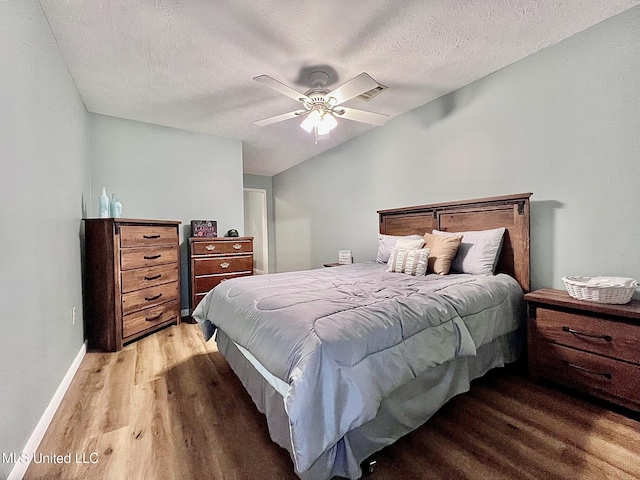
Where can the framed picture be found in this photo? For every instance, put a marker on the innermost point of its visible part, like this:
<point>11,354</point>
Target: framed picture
<point>345,257</point>
<point>204,228</point>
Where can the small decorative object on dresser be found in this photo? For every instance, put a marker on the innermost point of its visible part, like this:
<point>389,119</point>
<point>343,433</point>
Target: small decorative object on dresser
<point>213,260</point>
<point>591,347</point>
<point>204,228</point>
<point>131,280</point>
<point>115,207</point>
<point>345,257</point>
<point>103,204</point>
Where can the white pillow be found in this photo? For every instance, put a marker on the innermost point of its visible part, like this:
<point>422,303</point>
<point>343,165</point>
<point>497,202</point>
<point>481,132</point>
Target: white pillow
<point>412,261</point>
<point>478,252</point>
<point>410,243</point>
<point>387,242</point>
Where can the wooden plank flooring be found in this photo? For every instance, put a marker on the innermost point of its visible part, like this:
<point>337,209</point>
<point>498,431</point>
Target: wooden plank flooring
<point>169,407</point>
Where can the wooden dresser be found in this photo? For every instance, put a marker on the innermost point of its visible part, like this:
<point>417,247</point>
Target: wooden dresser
<point>213,260</point>
<point>591,347</point>
<point>131,279</point>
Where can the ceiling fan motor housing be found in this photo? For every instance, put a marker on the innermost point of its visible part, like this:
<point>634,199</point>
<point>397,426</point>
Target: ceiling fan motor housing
<point>317,94</point>
<point>318,91</point>
<point>318,79</point>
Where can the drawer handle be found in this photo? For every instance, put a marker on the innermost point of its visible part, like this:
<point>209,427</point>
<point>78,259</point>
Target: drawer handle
<point>151,299</point>
<point>606,338</point>
<point>237,246</point>
<point>224,264</point>
<point>155,277</point>
<point>149,237</point>
<point>155,317</point>
<point>582,369</point>
<point>211,248</point>
<point>152,257</point>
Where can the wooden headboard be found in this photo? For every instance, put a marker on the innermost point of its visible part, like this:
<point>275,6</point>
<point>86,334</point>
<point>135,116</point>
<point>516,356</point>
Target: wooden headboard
<point>508,211</point>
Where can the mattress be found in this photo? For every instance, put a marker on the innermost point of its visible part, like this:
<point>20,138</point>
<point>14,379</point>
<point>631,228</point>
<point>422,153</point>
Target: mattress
<point>338,342</point>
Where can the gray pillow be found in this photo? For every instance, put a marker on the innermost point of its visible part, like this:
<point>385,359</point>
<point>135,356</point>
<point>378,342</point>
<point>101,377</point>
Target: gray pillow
<point>478,252</point>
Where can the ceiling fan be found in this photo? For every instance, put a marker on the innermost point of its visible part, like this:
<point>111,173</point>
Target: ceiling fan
<point>321,106</point>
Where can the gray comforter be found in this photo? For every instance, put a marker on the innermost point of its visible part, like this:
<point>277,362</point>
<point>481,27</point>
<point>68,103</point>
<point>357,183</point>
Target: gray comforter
<point>344,338</point>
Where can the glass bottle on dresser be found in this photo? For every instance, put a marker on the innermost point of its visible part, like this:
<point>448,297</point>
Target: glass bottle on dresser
<point>103,204</point>
<point>115,207</point>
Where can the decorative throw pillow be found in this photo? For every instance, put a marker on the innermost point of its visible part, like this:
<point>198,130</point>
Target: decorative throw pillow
<point>412,242</point>
<point>408,260</point>
<point>387,242</point>
<point>442,251</point>
<point>478,252</point>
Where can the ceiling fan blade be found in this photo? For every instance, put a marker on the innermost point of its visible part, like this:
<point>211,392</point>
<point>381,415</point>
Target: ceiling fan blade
<point>279,118</point>
<point>354,87</point>
<point>281,87</point>
<point>378,119</point>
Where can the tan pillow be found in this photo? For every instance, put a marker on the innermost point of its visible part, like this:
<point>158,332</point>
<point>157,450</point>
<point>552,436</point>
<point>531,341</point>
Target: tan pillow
<point>442,250</point>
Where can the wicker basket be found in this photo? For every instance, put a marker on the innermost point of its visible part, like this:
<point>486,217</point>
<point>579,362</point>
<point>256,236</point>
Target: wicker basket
<point>578,288</point>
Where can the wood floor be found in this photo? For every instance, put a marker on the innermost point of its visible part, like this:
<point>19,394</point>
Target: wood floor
<point>169,407</point>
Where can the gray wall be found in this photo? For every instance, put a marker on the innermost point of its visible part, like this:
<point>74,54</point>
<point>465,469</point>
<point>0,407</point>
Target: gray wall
<point>43,193</point>
<point>563,124</point>
<point>265,183</point>
<point>167,174</point>
<point>55,157</point>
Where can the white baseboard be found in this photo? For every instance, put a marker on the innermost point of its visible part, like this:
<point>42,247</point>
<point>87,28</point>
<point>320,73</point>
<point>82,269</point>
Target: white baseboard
<point>33,443</point>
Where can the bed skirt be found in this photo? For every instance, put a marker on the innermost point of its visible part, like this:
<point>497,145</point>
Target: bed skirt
<point>403,411</point>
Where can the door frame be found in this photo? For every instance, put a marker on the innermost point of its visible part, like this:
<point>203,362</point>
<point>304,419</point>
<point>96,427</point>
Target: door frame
<point>265,228</point>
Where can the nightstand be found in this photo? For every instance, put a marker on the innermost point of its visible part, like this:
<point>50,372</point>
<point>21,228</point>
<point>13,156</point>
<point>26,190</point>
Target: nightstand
<point>590,347</point>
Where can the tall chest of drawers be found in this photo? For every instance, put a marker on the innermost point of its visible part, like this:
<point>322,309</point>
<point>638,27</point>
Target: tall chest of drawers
<point>131,279</point>
<point>214,260</point>
<point>590,347</point>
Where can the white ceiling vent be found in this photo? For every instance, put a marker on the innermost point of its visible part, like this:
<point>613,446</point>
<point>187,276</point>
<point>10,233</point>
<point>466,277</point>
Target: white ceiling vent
<point>373,92</point>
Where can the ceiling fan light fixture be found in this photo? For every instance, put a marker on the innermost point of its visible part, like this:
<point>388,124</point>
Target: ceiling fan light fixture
<point>312,120</point>
<point>321,119</point>
<point>327,123</point>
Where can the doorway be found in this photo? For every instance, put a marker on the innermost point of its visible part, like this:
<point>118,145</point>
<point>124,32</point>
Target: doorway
<point>255,225</point>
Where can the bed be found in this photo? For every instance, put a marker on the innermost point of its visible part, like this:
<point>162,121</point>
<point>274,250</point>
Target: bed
<point>344,361</point>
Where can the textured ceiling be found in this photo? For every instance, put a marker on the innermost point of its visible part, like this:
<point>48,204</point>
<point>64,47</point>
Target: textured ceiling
<point>189,64</point>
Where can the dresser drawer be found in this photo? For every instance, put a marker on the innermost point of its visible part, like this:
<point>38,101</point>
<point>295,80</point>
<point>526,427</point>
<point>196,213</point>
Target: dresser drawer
<point>218,247</point>
<point>148,277</point>
<point>149,297</point>
<point>590,373</point>
<point>213,265</point>
<point>149,318</point>
<point>147,257</point>
<point>605,337</point>
<point>205,283</point>
<point>145,235</point>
